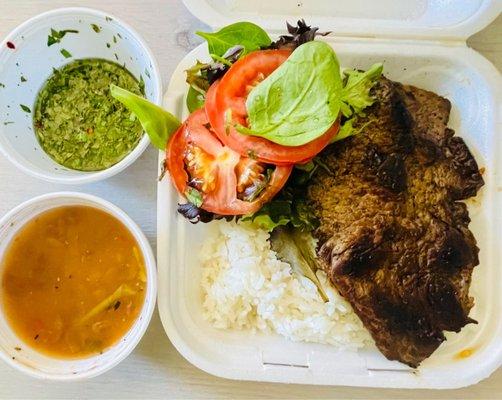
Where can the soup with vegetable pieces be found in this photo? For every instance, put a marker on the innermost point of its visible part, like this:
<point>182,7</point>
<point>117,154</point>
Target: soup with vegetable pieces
<point>73,281</point>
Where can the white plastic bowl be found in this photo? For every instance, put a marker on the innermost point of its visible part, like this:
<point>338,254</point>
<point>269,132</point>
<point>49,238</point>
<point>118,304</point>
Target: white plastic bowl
<point>41,366</point>
<point>34,60</point>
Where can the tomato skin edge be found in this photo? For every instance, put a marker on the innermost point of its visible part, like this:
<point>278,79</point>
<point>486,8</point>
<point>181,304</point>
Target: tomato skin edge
<point>173,157</point>
<point>226,94</point>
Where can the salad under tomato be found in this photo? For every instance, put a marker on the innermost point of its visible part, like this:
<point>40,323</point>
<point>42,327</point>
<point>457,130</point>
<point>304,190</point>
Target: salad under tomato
<point>258,109</point>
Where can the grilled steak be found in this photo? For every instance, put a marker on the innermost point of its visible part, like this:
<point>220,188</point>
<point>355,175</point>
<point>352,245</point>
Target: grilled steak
<point>393,237</point>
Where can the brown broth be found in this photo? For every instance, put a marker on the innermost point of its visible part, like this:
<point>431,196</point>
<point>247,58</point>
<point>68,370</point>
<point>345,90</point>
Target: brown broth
<point>73,281</point>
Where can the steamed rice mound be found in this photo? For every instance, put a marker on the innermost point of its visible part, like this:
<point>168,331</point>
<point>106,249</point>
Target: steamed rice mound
<point>245,286</point>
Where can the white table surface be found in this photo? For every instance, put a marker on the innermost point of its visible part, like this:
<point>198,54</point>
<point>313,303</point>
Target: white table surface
<point>156,369</point>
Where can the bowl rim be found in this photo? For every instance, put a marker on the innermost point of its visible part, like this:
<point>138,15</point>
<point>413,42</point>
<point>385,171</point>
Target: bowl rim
<point>144,317</point>
<point>90,176</point>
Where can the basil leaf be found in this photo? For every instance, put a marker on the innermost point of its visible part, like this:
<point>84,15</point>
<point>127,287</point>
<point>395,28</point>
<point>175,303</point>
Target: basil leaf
<point>193,196</point>
<point>246,34</point>
<point>300,100</point>
<point>158,123</point>
<point>195,100</point>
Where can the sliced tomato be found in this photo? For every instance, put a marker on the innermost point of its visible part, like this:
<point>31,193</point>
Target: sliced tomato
<point>196,158</point>
<point>230,93</point>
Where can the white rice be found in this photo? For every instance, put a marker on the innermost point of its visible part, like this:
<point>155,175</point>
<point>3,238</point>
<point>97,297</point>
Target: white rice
<point>245,286</point>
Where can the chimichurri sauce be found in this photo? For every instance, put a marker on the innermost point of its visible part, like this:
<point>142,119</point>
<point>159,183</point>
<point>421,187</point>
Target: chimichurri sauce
<point>78,123</point>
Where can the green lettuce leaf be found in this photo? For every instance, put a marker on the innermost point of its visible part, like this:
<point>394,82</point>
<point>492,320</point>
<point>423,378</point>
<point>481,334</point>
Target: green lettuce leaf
<point>194,196</point>
<point>297,249</point>
<point>271,215</point>
<point>158,123</point>
<point>356,89</point>
<point>245,34</point>
<point>201,75</point>
<point>347,129</point>
<point>195,99</point>
<point>356,96</point>
<point>285,210</point>
<point>196,78</point>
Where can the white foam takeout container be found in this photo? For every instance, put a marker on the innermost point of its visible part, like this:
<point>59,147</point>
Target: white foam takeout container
<point>420,42</point>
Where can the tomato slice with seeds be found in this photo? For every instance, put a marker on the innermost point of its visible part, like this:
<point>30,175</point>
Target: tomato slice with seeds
<point>230,184</point>
<point>230,93</point>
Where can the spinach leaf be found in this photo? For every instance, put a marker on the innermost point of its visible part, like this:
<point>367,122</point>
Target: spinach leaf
<point>158,123</point>
<point>246,34</point>
<point>300,100</point>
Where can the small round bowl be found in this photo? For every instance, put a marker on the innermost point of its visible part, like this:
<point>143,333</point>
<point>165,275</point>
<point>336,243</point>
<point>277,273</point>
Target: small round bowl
<point>39,365</point>
<point>26,62</point>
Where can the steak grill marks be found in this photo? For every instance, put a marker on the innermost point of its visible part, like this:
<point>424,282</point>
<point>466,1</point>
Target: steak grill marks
<point>393,238</point>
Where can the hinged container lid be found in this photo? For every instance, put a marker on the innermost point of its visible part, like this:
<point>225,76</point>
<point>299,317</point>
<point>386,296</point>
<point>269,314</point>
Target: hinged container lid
<point>411,19</point>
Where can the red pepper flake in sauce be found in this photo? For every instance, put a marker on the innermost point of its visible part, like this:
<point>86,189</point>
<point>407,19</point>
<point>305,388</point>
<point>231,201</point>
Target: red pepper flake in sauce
<point>11,45</point>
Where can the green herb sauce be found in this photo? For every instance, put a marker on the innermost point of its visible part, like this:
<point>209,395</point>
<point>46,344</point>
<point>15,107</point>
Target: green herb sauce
<point>78,123</point>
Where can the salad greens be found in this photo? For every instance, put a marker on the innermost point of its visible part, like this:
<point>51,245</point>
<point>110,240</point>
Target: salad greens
<point>297,35</point>
<point>296,248</point>
<point>195,100</point>
<point>289,206</point>
<point>202,75</point>
<point>194,196</point>
<point>294,105</point>
<point>356,90</point>
<point>302,98</point>
<point>356,93</point>
<point>284,211</point>
<point>246,34</point>
<point>158,123</point>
